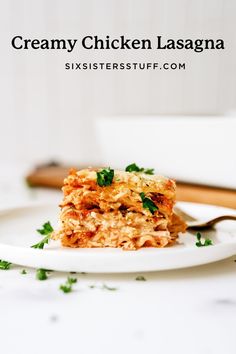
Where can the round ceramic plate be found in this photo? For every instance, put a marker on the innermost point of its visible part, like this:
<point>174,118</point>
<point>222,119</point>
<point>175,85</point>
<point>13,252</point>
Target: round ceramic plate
<point>18,232</point>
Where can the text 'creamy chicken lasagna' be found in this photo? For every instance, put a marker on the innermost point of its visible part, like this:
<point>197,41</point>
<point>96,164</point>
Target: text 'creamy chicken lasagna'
<point>107,208</point>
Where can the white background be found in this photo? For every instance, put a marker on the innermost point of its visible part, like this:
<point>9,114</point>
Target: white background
<point>47,112</point>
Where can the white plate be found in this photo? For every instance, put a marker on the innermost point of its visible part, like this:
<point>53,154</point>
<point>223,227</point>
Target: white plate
<point>18,232</point>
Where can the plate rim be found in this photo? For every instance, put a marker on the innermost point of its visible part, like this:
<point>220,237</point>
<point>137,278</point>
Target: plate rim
<point>116,254</point>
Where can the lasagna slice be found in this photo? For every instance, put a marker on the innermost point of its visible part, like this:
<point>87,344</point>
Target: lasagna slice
<point>107,208</point>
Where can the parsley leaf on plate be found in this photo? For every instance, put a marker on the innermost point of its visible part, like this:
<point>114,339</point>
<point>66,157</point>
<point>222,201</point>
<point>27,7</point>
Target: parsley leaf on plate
<point>148,203</point>
<point>134,168</point>
<point>105,177</point>
<point>199,242</point>
<point>41,244</point>
<point>23,271</point>
<point>46,230</point>
<point>4,265</point>
<point>67,287</point>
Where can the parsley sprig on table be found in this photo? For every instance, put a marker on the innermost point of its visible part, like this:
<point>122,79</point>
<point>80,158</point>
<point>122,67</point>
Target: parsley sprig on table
<point>134,168</point>
<point>148,203</point>
<point>4,265</point>
<point>110,288</point>
<point>199,242</point>
<point>46,230</point>
<point>67,287</point>
<point>105,177</point>
<point>103,287</point>
<point>41,274</point>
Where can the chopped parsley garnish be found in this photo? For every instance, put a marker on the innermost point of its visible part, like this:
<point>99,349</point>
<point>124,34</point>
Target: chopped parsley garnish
<point>134,168</point>
<point>105,177</point>
<point>140,278</point>
<point>149,171</point>
<point>23,271</point>
<point>4,265</point>
<point>199,242</point>
<point>41,244</point>
<point>148,203</point>
<point>46,230</point>
<point>41,274</point>
<point>67,287</point>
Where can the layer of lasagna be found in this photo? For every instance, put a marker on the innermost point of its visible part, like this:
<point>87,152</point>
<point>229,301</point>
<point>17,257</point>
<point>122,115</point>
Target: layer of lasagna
<point>131,211</point>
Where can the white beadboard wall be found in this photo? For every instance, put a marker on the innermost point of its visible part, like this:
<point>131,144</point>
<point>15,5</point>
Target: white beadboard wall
<point>48,112</point>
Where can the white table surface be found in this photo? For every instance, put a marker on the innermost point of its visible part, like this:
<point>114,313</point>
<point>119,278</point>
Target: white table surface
<point>190,311</point>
